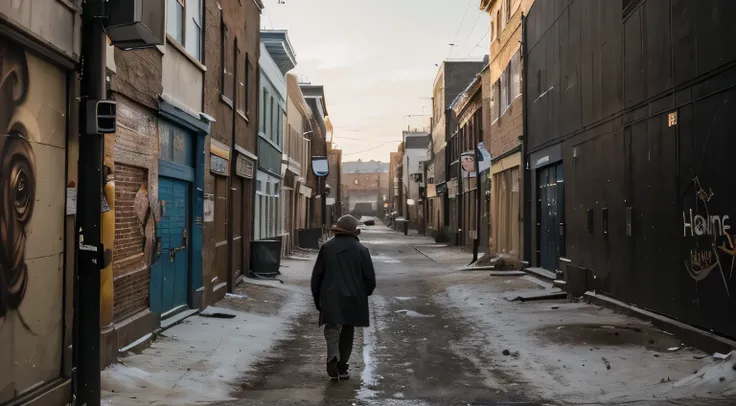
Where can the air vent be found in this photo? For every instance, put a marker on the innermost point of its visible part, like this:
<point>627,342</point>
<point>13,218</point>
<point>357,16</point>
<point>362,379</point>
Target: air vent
<point>136,24</point>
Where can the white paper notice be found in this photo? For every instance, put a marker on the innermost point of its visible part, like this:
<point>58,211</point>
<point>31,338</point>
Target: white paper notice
<point>71,201</point>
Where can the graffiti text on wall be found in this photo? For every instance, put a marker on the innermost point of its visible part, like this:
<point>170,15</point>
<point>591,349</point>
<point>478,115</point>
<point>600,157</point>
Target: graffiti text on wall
<point>714,229</point>
<point>17,180</point>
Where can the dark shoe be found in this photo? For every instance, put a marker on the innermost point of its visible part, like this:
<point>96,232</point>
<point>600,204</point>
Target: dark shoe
<point>332,369</point>
<point>343,371</point>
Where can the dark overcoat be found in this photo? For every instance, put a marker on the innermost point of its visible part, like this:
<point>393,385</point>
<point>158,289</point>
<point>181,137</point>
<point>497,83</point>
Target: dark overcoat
<point>342,279</point>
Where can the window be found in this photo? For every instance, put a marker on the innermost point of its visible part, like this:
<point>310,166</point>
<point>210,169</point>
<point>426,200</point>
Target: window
<point>226,58</point>
<point>184,25</point>
<point>498,24</point>
<point>280,129</point>
<point>246,78</point>
<point>175,26</point>
<point>193,28</point>
<point>508,86</point>
<point>507,8</point>
<point>265,113</point>
<point>240,91</point>
<point>493,31</point>
<point>271,120</point>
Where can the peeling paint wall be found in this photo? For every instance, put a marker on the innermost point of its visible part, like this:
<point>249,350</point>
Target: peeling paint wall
<point>33,160</point>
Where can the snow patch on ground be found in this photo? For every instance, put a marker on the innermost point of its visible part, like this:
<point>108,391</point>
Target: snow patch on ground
<point>412,313</point>
<point>404,298</point>
<point>515,346</point>
<point>368,377</point>
<point>197,361</point>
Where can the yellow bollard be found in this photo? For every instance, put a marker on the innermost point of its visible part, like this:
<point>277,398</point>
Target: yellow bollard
<point>108,240</point>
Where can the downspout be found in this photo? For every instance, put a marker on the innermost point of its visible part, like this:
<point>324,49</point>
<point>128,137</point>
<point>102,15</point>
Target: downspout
<point>230,279</point>
<point>526,214</point>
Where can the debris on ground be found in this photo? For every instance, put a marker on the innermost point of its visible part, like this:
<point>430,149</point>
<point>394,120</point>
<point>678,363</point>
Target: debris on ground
<point>606,362</point>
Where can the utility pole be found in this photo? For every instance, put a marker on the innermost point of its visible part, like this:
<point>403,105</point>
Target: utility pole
<point>90,249</point>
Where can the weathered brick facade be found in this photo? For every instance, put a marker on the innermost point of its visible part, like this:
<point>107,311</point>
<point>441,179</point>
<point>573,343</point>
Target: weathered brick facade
<point>231,97</point>
<point>132,156</point>
<point>506,132</point>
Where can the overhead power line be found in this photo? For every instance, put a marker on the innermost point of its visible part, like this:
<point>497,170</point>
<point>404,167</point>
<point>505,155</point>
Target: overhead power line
<point>371,149</point>
<point>459,27</point>
<point>478,44</point>
<point>471,30</point>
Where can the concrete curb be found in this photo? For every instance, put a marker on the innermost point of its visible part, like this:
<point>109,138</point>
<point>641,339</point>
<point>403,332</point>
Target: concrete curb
<point>693,336</point>
<point>540,273</point>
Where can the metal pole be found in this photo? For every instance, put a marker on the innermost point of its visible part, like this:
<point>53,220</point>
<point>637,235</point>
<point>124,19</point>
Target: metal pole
<point>526,174</point>
<point>87,348</point>
<point>478,188</point>
<point>324,202</point>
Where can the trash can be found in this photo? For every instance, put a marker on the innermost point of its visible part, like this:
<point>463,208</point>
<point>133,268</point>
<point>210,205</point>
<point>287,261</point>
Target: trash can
<point>405,223</point>
<point>309,237</point>
<point>266,257</point>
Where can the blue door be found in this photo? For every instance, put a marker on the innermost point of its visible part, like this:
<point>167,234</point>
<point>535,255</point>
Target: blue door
<point>170,274</point>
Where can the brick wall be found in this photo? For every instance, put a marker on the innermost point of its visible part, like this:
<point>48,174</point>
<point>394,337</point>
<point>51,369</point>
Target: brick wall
<point>505,132</point>
<point>131,273</point>
<point>131,294</point>
<point>128,228</point>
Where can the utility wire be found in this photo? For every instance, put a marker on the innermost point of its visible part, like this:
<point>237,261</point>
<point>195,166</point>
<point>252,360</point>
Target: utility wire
<point>371,149</point>
<point>460,27</point>
<point>471,30</point>
<point>478,44</point>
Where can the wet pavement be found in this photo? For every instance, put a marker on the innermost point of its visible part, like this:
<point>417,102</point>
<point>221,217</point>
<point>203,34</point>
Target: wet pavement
<point>408,355</point>
<point>426,346</point>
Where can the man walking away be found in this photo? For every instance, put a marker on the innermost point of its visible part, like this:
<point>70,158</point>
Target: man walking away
<point>342,279</point>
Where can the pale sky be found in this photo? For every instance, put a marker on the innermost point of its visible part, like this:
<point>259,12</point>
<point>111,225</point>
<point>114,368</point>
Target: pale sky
<point>377,60</point>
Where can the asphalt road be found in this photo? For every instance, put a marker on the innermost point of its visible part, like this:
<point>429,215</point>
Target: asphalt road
<point>406,357</point>
<point>417,351</point>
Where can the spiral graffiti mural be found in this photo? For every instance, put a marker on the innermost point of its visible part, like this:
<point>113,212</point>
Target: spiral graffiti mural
<point>18,180</point>
<point>33,180</point>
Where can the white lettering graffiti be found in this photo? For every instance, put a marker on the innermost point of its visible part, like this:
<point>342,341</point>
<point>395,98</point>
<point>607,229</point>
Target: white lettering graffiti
<point>698,225</point>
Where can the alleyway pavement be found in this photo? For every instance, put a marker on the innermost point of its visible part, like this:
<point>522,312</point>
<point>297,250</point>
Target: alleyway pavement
<point>437,337</point>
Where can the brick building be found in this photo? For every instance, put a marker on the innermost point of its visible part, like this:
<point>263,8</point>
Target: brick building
<point>506,127</point>
<point>365,187</point>
<point>297,159</point>
<point>452,78</point>
<point>232,50</point>
<point>315,97</point>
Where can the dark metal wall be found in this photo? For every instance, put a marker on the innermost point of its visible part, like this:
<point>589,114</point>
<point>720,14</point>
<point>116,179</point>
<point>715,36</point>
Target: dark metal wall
<point>643,102</point>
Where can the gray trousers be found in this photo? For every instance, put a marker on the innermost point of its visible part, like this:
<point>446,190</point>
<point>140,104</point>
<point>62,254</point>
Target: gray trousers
<point>339,342</point>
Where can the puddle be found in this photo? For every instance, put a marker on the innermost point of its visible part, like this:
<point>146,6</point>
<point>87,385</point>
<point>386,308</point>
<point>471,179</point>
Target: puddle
<point>611,335</point>
<point>391,261</point>
<point>412,313</point>
<point>404,298</point>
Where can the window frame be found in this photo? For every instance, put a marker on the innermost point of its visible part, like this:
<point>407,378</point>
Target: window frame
<point>184,37</point>
<point>247,85</point>
<point>223,40</point>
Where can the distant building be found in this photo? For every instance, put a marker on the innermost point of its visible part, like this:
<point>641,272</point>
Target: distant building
<point>416,155</point>
<point>452,78</point>
<point>364,166</point>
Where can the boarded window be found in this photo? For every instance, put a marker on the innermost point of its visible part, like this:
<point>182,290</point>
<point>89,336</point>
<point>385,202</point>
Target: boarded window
<point>128,228</point>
